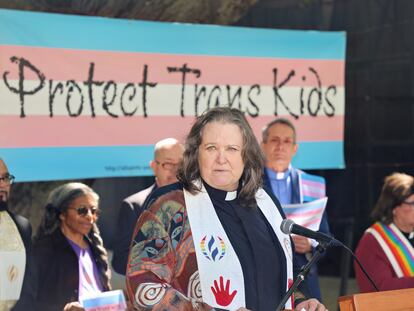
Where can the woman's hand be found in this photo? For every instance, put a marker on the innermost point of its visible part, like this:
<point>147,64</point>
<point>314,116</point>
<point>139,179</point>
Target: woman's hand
<point>73,306</point>
<point>311,305</point>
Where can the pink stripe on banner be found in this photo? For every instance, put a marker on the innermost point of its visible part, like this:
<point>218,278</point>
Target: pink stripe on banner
<point>308,128</point>
<point>313,184</point>
<point>66,64</point>
<point>59,131</point>
<point>306,214</point>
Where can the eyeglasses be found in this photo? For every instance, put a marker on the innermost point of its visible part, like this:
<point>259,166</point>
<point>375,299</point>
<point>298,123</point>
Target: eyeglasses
<point>7,179</point>
<point>409,203</point>
<point>83,210</point>
<point>167,165</point>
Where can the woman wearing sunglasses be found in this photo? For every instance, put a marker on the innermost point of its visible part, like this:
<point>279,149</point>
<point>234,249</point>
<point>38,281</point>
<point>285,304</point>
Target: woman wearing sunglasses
<point>70,257</point>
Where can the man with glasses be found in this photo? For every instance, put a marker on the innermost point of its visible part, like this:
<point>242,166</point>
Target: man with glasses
<point>167,156</point>
<point>17,289</point>
<point>289,185</point>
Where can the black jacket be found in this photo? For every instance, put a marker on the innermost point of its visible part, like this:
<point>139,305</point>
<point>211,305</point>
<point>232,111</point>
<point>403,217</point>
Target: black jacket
<point>129,213</point>
<point>58,269</point>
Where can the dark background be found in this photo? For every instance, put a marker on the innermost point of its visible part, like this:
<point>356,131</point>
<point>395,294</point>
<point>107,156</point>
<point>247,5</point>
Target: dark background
<point>379,100</point>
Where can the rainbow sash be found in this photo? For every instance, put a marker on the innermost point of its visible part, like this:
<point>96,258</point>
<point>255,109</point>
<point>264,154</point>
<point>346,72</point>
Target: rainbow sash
<point>396,246</point>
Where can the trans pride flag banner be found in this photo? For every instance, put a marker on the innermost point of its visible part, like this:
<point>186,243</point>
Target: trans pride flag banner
<point>87,97</point>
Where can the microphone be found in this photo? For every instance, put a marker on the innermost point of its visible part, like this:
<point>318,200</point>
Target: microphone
<point>288,226</point>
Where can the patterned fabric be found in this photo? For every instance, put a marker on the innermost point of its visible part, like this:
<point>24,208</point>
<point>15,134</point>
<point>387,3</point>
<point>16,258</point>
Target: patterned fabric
<point>11,245</point>
<point>398,249</point>
<point>162,271</point>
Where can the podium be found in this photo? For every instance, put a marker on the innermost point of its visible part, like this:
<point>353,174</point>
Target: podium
<point>393,300</point>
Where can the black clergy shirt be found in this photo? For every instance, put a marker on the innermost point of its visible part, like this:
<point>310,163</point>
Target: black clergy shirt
<point>257,247</point>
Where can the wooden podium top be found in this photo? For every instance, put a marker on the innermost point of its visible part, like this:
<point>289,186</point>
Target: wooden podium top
<point>393,300</point>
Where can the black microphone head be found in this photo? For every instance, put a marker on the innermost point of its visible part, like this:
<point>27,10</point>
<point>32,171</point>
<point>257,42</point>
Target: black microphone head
<point>286,226</point>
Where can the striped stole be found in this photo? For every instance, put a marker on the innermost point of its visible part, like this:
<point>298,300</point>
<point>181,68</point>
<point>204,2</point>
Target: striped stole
<point>396,246</point>
<point>312,187</point>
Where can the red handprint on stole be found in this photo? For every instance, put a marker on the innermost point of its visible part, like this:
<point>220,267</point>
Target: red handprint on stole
<point>222,295</point>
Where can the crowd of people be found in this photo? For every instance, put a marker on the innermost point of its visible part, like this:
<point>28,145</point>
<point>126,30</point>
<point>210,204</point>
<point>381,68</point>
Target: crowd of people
<point>205,236</point>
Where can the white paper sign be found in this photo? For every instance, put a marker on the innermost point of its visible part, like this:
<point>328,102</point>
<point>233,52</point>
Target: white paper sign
<point>107,301</point>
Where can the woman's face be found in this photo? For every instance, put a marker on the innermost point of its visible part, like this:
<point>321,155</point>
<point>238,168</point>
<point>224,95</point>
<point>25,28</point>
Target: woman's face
<point>404,215</point>
<point>78,219</point>
<point>220,155</point>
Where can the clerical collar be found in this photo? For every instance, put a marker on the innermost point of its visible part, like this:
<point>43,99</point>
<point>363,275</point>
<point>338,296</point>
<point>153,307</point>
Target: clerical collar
<point>221,194</point>
<point>278,175</point>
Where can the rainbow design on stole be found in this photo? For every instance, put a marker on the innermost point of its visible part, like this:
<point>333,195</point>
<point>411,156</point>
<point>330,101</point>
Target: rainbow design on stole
<point>399,250</point>
<point>211,254</point>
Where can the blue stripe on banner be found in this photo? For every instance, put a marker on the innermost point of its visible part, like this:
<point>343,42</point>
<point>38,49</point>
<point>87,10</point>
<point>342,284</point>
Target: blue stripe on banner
<point>320,155</point>
<point>98,33</point>
<point>36,164</point>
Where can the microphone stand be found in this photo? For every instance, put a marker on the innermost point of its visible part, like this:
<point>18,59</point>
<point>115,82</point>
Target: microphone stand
<point>320,249</point>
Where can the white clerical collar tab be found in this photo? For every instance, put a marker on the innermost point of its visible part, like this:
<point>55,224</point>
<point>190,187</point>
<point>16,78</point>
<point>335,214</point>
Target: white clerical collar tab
<point>231,195</point>
<point>280,175</point>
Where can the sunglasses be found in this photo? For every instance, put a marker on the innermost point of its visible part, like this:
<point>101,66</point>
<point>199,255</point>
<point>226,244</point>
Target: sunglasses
<point>83,210</point>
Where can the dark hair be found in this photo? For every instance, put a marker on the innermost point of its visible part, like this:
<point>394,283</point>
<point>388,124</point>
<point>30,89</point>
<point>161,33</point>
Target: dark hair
<point>396,189</point>
<point>265,130</point>
<point>252,154</point>
<point>58,202</point>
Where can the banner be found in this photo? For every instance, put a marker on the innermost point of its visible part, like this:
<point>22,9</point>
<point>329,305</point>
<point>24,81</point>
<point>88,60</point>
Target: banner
<point>86,97</point>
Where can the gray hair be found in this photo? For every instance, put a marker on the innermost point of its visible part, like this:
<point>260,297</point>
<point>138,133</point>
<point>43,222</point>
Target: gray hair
<point>61,197</point>
<point>265,130</point>
<point>58,202</point>
<point>252,154</point>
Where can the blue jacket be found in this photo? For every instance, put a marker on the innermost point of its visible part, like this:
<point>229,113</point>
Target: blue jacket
<point>302,259</point>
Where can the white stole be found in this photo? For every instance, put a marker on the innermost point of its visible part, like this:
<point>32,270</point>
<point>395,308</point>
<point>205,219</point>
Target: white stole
<point>216,258</point>
<point>12,261</point>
